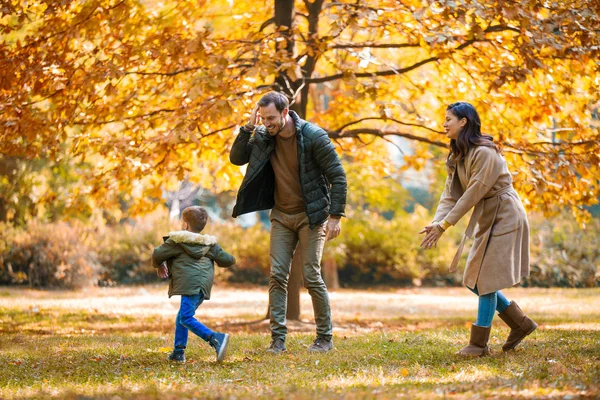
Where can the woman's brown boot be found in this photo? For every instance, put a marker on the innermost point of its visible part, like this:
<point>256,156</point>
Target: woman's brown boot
<point>520,325</point>
<point>478,343</point>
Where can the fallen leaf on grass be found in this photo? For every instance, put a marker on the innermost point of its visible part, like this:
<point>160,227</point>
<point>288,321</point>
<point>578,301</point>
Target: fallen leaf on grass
<point>165,350</point>
<point>404,372</point>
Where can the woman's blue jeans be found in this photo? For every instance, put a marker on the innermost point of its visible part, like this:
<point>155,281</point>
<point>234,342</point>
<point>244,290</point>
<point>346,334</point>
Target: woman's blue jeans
<point>185,321</point>
<point>488,304</point>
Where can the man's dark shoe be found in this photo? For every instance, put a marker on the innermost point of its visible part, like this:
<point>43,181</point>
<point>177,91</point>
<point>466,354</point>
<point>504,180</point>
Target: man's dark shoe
<point>219,342</point>
<point>321,345</point>
<point>177,356</point>
<point>277,346</point>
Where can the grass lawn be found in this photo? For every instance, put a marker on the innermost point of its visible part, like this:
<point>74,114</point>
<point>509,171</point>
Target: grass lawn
<point>113,343</point>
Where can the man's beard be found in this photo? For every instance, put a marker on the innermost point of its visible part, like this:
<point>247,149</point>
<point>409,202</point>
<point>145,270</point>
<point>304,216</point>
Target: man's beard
<point>280,129</point>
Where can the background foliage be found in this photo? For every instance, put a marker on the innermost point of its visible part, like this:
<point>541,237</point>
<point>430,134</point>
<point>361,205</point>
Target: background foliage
<point>107,106</point>
<point>372,250</point>
<point>105,103</point>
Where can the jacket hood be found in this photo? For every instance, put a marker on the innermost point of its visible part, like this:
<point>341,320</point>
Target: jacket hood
<point>194,244</point>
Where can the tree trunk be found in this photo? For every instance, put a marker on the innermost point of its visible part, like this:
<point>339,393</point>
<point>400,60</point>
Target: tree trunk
<point>294,286</point>
<point>330,273</point>
<point>284,17</point>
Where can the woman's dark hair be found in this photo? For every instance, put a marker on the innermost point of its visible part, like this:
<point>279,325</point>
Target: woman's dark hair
<point>470,135</point>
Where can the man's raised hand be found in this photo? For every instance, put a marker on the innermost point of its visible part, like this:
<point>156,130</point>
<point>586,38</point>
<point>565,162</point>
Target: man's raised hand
<point>254,118</point>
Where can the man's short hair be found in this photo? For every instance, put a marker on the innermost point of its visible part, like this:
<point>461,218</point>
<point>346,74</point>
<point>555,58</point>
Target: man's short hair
<point>279,99</point>
<point>196,218</point>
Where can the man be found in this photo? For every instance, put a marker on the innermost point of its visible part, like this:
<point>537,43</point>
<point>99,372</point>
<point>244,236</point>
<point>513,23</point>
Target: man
<point>294,170</point>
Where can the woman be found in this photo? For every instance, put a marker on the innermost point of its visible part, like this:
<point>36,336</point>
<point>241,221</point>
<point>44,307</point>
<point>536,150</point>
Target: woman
<point>478,177</point>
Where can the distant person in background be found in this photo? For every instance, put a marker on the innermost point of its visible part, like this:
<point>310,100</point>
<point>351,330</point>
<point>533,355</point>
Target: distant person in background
<point>478,177</point>
<point>190,258</point>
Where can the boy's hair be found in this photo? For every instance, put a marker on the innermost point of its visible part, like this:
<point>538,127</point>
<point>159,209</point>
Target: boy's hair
<point>281,102</point>
<point>196,218</point>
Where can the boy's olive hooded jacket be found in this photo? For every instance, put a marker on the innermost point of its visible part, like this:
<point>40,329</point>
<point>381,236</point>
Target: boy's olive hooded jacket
<point>190,259</point>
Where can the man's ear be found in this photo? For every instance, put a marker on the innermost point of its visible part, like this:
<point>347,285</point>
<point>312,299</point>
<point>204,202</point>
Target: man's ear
<point>285,112</point>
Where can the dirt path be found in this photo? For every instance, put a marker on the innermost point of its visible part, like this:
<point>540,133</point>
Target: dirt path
<point>234,308</point>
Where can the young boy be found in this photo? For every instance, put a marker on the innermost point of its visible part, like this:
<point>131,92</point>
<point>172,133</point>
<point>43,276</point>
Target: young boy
<point>190,258</point>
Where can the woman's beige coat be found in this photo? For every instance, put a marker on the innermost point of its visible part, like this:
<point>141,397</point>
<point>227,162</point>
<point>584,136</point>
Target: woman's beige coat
<point>500,253</point>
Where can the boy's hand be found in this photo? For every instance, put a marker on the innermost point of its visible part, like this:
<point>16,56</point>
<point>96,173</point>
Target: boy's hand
<point>163,271</point>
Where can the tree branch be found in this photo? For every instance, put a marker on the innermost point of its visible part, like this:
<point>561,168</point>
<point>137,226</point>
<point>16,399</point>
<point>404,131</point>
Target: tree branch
<point>495,28</point>
<point>374,45</point>
<point>353,133</point>
<point>500,28</point>
<point>181,71</point>
<point>385,119</point>
<point>397,71</point>
<point>217,131</point>
<point>507,146</point>
<point>150,114</point>
<point>357,6</point>
<point>69,28</point>
<point>266,23</point>
<point>389,72</point>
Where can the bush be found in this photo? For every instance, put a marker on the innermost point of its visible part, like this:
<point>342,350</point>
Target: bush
<point>125,250</point>
<point>386,251</point>
<point>563,254</point>
<point>250,247</point>
<point>48,255</point>
<point>370,250</point>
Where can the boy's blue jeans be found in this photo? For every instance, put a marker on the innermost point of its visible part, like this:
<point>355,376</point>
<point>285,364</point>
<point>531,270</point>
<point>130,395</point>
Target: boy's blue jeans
<point>489,303</point>
<point>185,321</point>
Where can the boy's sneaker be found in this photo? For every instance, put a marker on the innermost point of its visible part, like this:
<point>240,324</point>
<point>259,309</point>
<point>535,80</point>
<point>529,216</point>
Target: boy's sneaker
<point>321,345</point>
<point>177,356</point>
<point>219,342</point>
<point>277,346</point>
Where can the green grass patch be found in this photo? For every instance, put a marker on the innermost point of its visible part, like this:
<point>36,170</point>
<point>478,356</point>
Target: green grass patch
<point>69,353</point>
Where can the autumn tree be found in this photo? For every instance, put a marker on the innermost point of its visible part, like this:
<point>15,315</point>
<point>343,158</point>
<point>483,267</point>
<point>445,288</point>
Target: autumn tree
<point>138,95</point>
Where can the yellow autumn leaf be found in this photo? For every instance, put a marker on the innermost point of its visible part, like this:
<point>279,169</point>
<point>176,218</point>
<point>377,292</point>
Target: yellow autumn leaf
<point>165,349</point>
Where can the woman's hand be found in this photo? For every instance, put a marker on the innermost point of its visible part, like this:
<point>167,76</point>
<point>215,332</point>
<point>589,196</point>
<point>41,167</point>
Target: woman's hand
<point>433,233</point>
